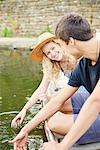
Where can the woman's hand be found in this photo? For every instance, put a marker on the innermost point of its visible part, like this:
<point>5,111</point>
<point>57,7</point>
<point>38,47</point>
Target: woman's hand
<point>20,141</point>
<point>18,119</point>
<point>42,97</point>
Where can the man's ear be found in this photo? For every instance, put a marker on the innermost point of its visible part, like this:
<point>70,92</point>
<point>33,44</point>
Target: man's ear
<point>71,41</point>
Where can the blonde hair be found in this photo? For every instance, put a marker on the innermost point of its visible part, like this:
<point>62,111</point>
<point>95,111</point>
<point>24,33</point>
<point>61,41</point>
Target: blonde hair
<point>51,69</point>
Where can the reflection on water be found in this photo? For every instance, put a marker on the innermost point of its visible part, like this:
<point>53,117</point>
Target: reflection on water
<point>19,77</point>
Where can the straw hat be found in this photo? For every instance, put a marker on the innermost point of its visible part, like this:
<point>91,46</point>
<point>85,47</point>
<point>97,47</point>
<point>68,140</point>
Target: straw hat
<point>37,54</point>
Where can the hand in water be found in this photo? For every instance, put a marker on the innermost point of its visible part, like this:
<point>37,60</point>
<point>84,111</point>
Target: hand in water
<point>18,119</point>
<point>20,141</point>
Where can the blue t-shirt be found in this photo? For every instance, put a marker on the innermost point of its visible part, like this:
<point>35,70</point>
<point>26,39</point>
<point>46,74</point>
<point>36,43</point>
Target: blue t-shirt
<point>85,74</point>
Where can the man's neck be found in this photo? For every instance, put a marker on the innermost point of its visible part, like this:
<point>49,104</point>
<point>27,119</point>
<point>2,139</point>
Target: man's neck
<point>90,48</point>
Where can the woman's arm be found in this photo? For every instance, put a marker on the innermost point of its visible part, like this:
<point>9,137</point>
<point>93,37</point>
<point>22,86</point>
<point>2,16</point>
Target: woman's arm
<point>51,107</point>
<point>86,117</point>
<point>40,90</point>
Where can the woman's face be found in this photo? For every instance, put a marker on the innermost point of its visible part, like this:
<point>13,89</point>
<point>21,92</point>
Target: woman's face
<point>53,51</point>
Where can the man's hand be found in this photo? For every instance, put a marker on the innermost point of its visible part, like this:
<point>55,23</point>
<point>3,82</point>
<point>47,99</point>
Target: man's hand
<point>20,141</point>
<point>53,146</point>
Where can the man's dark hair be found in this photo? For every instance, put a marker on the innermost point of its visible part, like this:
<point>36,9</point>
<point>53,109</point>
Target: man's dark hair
<point>75,26</point>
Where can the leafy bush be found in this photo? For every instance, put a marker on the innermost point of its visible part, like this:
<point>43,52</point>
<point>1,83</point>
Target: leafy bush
<point>47,29</point>
<point>6,32</point>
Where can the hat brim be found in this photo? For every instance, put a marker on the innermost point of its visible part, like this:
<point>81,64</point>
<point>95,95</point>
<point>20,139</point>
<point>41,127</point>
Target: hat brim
<point>37,54</point>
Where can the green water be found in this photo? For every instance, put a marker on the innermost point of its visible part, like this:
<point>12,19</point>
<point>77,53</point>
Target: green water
<point>19,77</point>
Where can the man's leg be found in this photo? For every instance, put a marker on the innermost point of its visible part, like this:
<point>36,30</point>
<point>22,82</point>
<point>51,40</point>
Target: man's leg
<point>61,123</point>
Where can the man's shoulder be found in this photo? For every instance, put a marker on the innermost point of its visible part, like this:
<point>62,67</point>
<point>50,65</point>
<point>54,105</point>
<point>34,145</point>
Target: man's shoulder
<point>83,62</point>
<point>80,66</point>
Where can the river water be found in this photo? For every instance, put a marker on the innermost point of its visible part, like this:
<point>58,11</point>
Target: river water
<point>19,77</point>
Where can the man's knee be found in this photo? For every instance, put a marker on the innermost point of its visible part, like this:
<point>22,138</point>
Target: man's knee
<point>53,122</point>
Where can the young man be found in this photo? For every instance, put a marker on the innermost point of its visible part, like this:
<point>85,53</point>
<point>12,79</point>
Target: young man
<point>81,43</point>
<point>76,32</point>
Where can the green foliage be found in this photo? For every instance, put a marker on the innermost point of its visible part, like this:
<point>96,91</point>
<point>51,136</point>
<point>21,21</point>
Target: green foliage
<point>47,29</point>
<point>6,32</point>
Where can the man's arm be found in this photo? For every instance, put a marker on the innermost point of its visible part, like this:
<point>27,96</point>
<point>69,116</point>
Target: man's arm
<point>86,117</point>
<point>51,107</point>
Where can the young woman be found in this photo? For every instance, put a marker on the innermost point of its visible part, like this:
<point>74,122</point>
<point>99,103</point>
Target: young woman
<point>54,50</point>
<point>54,70</point>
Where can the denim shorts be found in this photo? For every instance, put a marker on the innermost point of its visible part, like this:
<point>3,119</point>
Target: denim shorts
<point>93,133</point>
<point>78,99</point>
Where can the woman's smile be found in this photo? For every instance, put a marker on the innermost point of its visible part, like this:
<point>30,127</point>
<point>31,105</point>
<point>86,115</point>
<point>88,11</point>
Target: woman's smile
<point>53,51</point>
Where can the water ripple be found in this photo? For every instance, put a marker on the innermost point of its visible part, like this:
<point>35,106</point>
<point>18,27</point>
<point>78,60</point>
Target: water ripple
<point>8,113</point>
